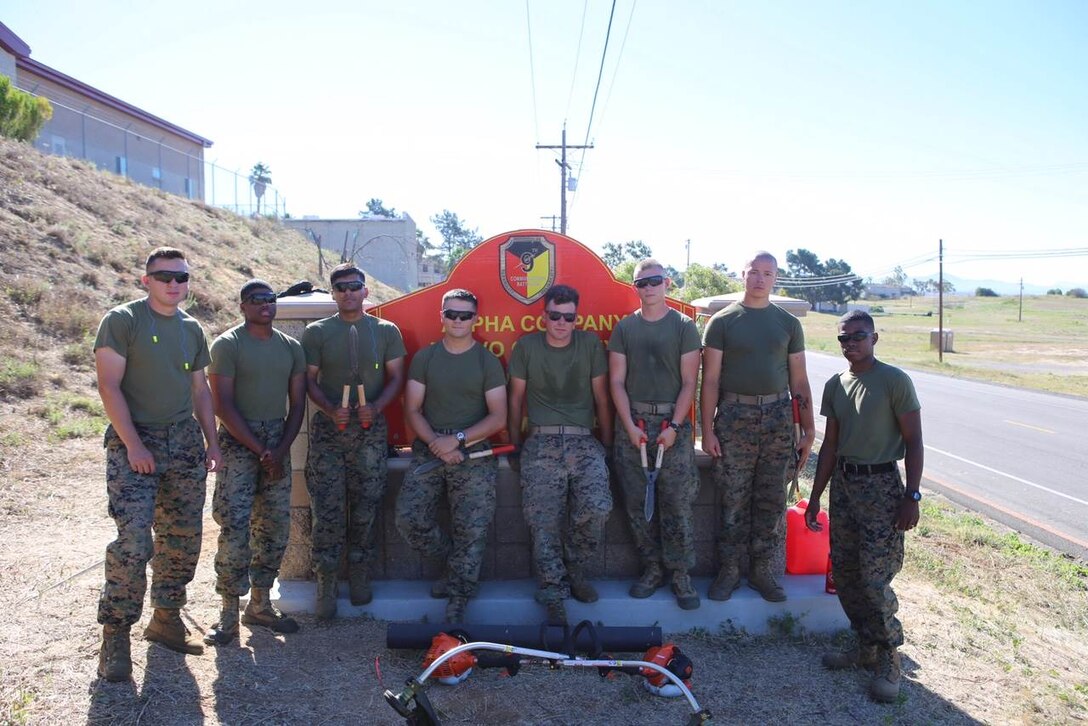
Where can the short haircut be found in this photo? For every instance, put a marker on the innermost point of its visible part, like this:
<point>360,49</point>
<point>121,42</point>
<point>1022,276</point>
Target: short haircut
<point>561,295</point>
<point>345,269</point>
<point>858,316</point>
<point>163,253</point>
<point>254,284</point>
<point>761,255</point>
<point>459,293</point>
<point>644,264</point>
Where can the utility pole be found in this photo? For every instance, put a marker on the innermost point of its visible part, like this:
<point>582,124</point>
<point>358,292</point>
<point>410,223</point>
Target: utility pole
<point>564,167</point>
<point>1020,315</point>
<point>552,218</point>
<point>687,245</point>
<point>940,300</point>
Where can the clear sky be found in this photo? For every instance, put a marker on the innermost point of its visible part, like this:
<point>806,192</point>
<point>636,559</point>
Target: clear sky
<point>860,131</point>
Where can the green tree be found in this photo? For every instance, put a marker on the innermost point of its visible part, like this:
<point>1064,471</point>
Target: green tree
<point>377,208</point>
<point>805,264</point>
<point>260,176</point>
<point>701,281</point>
<point>616,252</point>
<point>22,114</point>
<point>457,238</point>
<point>985,292</point>
<point>1077,292</point>
<point>897,278</point>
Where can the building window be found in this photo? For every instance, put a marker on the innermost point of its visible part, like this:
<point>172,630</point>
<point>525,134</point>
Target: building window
<point>156,173</point>
<point>121,166</point>
<point>58,146</point>
<point>188,187</point>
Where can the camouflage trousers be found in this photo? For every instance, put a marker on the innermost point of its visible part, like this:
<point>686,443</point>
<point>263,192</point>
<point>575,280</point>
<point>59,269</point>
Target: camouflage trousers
<point>867,552</point>
<point>159,518</point>
<point>470,491</point>
<point>669,538</point>
<point>564,488</point>
<point>253,511</point>
<point>757,449</point>
<point>346,478</point>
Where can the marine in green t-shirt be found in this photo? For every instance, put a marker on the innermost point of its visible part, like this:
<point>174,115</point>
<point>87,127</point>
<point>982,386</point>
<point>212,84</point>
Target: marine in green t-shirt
<point>454,400</point>
<point>150,358</point>
<point>653,366</point>
<point>873,419</point>
<point>753,364</point>
<point>257,375</point>
<point>346,462</point>
<point>561,374</point>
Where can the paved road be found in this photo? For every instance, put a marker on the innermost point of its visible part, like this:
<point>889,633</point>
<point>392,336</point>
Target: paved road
<point>1018,456</point>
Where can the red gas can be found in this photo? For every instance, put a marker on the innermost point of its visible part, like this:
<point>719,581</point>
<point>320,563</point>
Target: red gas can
<point>806,551</point>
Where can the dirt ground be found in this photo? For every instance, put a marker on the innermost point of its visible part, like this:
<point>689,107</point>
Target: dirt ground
<point>981,647</point>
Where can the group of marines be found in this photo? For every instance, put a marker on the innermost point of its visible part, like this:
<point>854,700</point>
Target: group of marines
<point>555,400</point>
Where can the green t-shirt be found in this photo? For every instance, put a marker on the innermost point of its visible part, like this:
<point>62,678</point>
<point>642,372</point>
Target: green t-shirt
<point>326,345</point>
<point>261,369</point>
<point>558,390</point>
<point>756,344</point>
<point>161,353</point>
<point>456,384</point>
<point>867,408</point>
<point>653,351</point>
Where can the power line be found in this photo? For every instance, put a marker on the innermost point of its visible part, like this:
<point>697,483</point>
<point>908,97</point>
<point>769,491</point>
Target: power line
<point>600,74</point>
<point>532,71</point>
<point>577,57</point>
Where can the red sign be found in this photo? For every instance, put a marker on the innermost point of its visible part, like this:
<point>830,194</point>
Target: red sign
<point>510,273</point>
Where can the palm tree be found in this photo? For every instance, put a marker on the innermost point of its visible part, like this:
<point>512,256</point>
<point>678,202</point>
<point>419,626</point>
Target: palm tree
<point>260,176</point>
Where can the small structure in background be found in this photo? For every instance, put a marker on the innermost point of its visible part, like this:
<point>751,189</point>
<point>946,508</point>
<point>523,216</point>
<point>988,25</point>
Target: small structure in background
<point>383,246</point>
<point>707,306</point>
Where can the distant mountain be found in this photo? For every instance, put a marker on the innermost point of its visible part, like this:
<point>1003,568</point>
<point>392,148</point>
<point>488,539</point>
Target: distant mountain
<point>966,286</point>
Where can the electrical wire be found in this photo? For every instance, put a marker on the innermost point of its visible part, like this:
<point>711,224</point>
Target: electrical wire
<point>600,74</point>
<point>532,71</point>
<point>577,57</point>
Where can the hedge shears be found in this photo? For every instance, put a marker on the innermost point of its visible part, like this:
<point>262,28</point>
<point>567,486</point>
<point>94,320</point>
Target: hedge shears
<point>651,474</point>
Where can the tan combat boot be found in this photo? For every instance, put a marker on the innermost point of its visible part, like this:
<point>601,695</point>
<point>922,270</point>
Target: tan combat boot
<point>884,687</point>
<point>761,579</point>
<point>652,578</point>
<point>325,604</point>
<point>114,659</point>
<point>359,584</point>
<point>261,611</point>
<point>580,589</point>
<point>726,582</point>
<point>167,630</point>
<point>455,609</point>
<point>686,597</point>
<point>226,630</point>
<point>862,655</point>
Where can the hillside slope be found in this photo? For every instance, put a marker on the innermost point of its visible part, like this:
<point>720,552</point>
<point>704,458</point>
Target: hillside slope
<point>72,244</point>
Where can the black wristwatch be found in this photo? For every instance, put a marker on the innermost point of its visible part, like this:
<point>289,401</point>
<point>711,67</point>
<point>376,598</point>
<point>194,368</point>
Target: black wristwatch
<point>460,436</point>
<point>674,426</point>
<point>913,496</point>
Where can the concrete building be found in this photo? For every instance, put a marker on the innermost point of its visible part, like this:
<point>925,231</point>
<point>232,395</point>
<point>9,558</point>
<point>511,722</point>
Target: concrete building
<point>114,135</point>
<point>383,246</point>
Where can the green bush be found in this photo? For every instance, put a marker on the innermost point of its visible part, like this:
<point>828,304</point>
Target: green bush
<point>1054,291</point>
<point>1076,292</point>
<point>22,114</point>
<point>985,292</point>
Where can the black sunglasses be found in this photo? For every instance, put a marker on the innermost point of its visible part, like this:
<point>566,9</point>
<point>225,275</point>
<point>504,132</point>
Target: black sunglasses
<point>651,281</point>
<point>458,314</point>
<point>555,315</point>
<point>168,275</point>
<point>261,298</point>
<point>857,336</point>
<point>353,285</point>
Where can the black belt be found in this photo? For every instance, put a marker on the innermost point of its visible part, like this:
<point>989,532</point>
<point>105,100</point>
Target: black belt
<point>664,409</point>
<point>761,400</point>
<point>561,430</point>
<point>848,468</point>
